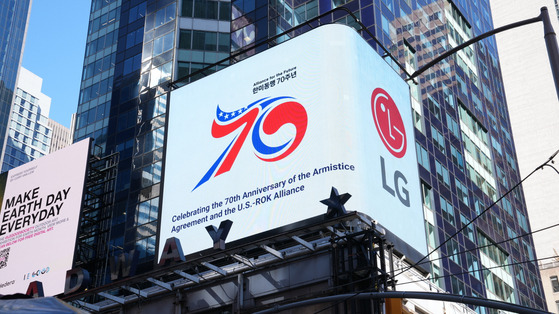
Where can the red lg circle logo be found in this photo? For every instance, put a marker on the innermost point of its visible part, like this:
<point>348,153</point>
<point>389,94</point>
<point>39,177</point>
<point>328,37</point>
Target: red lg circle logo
<point>389,123</point>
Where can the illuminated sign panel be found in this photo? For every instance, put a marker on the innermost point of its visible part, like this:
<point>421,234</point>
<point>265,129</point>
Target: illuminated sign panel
<point>263,141</point>
<point>39,217</point>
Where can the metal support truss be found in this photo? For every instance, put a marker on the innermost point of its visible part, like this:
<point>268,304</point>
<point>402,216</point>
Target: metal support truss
<point>95,219</point>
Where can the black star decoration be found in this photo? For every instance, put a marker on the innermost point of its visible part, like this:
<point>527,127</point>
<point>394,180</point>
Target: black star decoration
<point>336,203</point>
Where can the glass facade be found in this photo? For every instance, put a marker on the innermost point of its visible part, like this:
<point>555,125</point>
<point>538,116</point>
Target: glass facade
<point>29,133</point>
<point>134,49</point>
<point>466,155</point>
<point>13,24</point>
<point>206,39</point>
<point>98,72</point>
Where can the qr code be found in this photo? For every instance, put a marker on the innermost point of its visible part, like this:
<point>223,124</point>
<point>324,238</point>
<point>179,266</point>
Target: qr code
<point>4,254</point>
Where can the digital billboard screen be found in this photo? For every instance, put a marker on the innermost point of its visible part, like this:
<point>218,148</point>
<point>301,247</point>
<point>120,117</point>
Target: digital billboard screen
<point>41,202</point>
<point>263,141</point>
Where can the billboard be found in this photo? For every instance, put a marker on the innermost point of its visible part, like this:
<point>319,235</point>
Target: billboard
<point>41,202</point>
<point>263,141</point>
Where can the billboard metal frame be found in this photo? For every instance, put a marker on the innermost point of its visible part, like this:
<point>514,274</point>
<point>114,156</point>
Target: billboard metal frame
<point>95,218</point>
<point>284,245</point>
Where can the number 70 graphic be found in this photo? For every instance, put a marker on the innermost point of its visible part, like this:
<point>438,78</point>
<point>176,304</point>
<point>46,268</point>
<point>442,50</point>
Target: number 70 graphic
<point>267,115</point>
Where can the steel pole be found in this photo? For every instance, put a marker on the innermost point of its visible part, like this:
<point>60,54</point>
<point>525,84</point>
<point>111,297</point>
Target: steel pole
<point>552,48</point>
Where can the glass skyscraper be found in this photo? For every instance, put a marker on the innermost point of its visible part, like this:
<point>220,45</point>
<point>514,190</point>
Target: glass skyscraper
<point>134,49</point>
<point>29,133</point>
<point>14,15</point>
<point>466,154</point>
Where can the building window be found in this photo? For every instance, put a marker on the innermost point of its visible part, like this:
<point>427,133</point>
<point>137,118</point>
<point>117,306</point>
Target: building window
<point>520,273</point>
<point>388,4</point>
<point>514,237</point>
<point>224,11</point>
<point>493,121</point>
<point>147,211</point>
<point>436,275</point>
<point>434,107</point>
<point>422,156</point>
<point>101,43</point>
<point>204,9</point>
<point>204,40</point>
<point>426,195</point>
<point>438,139</point>
<point>510,161</point>
<point>448,96</point>
<point>457,158</point>
<point>473,265</point>
<point>99,4</point>
<point>165,15</point>
<point>442,173</point>
<point>453,126</point>
<point>554,283</point>
<point>130,65</point>
<point>163,43</point>
<point>458,286</point>
<point>496,145</point>
<point>337,3</point>
<point>200,40</point>
<point>522,221</point>
<point>137,12</point>
<point>497,224</point>
<point>103,21</point>
<point>431,235</point>
<point>496,277</point>
<point>447,211</point>
<point>469,231</point>
<point>462,192</point>
<point>475,141</point>
<point>501,175</point>
<point>453,250</point>
<point>507,206</point>
<point>385,25</point>
<point>409,57</point>
<point>306,11</point>
<point>185,39</point>
<point>535,284</point>
<point>491,250</point>
<point>160,74</point>
<point>416,110</point>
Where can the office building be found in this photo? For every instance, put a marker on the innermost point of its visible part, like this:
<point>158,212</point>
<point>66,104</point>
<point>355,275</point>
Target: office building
<point>61,136</point>
<point>134,49</point>
<point>533,106</point>
<point>14,15</point>
<point>465,150</point>
<point>29,134</point>
<point>463,138</point>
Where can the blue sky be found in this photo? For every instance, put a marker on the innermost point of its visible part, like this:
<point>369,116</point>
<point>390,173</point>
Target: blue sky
<point>54,50</point>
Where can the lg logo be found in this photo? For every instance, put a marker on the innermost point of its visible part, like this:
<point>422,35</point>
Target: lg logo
<point>389,122</point>
<point>392,132</point>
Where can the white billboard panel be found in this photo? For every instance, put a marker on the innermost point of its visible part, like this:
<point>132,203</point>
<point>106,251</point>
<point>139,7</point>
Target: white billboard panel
<point>263,141</point>
<point>39,218</point>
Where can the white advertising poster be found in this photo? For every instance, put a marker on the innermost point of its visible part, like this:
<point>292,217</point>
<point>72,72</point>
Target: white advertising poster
<point>41,202</point>
<point>263,141</point>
